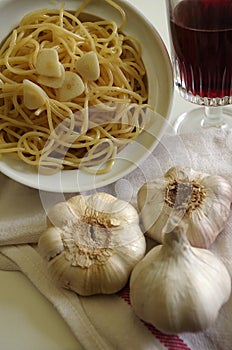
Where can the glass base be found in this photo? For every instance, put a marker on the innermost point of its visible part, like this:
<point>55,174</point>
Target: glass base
<point>201,118</point>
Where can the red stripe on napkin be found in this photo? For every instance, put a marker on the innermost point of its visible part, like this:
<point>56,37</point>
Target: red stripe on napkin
<point>172,342</point>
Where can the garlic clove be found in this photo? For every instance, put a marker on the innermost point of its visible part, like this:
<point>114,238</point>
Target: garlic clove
<point>199,199</point>
<point>187,285</point>
<point>72,87</point>
<point>100,278</point>
<point>100,241</point>
<point>48,64</point>
<point>33,95</point>
<point>52,243</point>
<point>61,215</point>
<point>113,209</point>
<point>88,66</point>
<point>53,82</point>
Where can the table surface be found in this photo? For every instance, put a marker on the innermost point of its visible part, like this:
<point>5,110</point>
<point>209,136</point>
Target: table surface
<point>32,320</point>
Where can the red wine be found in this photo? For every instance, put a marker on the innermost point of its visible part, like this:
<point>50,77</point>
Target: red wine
<point>202,39</point>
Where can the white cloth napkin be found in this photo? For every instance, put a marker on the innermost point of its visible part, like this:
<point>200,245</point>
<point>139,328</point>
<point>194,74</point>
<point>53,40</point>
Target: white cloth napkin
<point>23,218</point>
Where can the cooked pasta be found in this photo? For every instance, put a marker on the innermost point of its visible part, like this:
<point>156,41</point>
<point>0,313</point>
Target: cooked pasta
<point>60,110</point>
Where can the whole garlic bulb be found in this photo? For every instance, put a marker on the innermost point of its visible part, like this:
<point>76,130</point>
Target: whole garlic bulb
<point>92,243</point>
<point>200,200</point>
<point>178,288</point>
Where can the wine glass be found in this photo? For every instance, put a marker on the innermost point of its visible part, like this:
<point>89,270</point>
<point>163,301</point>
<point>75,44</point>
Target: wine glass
<point>201,49</point>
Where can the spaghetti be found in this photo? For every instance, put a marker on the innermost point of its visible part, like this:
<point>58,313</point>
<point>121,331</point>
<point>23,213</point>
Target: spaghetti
<point>80,132</point>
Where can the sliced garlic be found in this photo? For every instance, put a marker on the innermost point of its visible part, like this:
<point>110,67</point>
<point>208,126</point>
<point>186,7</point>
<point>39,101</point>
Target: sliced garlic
<point>201,200</point>
<point>178,288</point>
<point>48,64</point>
<point>52,82</point>
<point>72,87</point>
<point>92,243</point>
<point>88,66</point>
<point>34,96</point>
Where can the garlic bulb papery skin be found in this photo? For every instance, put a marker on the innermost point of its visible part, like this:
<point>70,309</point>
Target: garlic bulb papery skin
<point>92,243</point>
<point>200,200</point>
<point>179,288</point>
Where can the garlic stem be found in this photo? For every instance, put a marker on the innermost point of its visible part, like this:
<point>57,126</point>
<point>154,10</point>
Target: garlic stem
<point>200,200</point>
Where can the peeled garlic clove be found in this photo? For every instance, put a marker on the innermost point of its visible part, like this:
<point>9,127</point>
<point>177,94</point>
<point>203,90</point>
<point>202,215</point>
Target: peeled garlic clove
<point>72,87</point>
<point>199,199</point>
<point>99,240</point>
<point>52,82</point>
<point>34,96</point>
<point>178,288</point>
<point>48,64</point>
<point>88,66</point>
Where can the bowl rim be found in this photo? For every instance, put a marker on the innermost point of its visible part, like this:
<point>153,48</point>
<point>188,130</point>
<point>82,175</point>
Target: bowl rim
<point>78,180</point>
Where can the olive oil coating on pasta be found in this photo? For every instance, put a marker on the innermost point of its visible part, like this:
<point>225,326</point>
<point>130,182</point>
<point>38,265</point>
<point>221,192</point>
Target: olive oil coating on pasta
<point>84,131</point>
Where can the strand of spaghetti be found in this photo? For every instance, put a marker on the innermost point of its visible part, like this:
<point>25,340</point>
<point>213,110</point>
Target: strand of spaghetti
<point>105,53</point>
<point>12,139</point>
<point>104,27</point>
<point>10,48</point>
<point>58,107</point>
<point>15,60</point>
<point>110,93</point>
<point>25,42</point>
<point>10,148</point>
<point>85,114</point>
<point>21,124</point>
<point>124,135</point>
<point>82,29</point>
<point>13,39</point>
<point>122,12</point>
<point>49,115</point>
<point>71,105</point>
<point>119,75</point>
<point>61,16</point>
<point>124,71</point>
<point>82,7</point>
<point>20,111</point>
<point>106,34</point>
<point>38,16</point>
<point>30,148</point>
<point>18,71</point>
<point>58,163</point>
<point>136,120</point>
<point>135,49</point>
<point>98,155</point>
<point>64,136</point>
<point>135,66</point>
<point>88,142</point>
<point>36,29</point>
<point>75,19</point>
<point>106,78</point>
<point>107,165</point>
<point>6,95</point>
<point>23,148</point>
<point>5,46</point>
<point>117,141</point>
<point>11,134</point>
<point>71,51</point>
<point>34,55</point>
<point>5,79</point>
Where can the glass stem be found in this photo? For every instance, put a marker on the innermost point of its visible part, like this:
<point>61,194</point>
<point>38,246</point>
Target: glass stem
<point>213,117</point>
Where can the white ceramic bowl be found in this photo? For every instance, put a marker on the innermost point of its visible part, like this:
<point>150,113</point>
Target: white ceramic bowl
<point>160,85</point>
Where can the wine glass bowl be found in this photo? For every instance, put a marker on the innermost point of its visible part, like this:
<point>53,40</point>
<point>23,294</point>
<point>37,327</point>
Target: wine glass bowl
<point>201,49</point>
